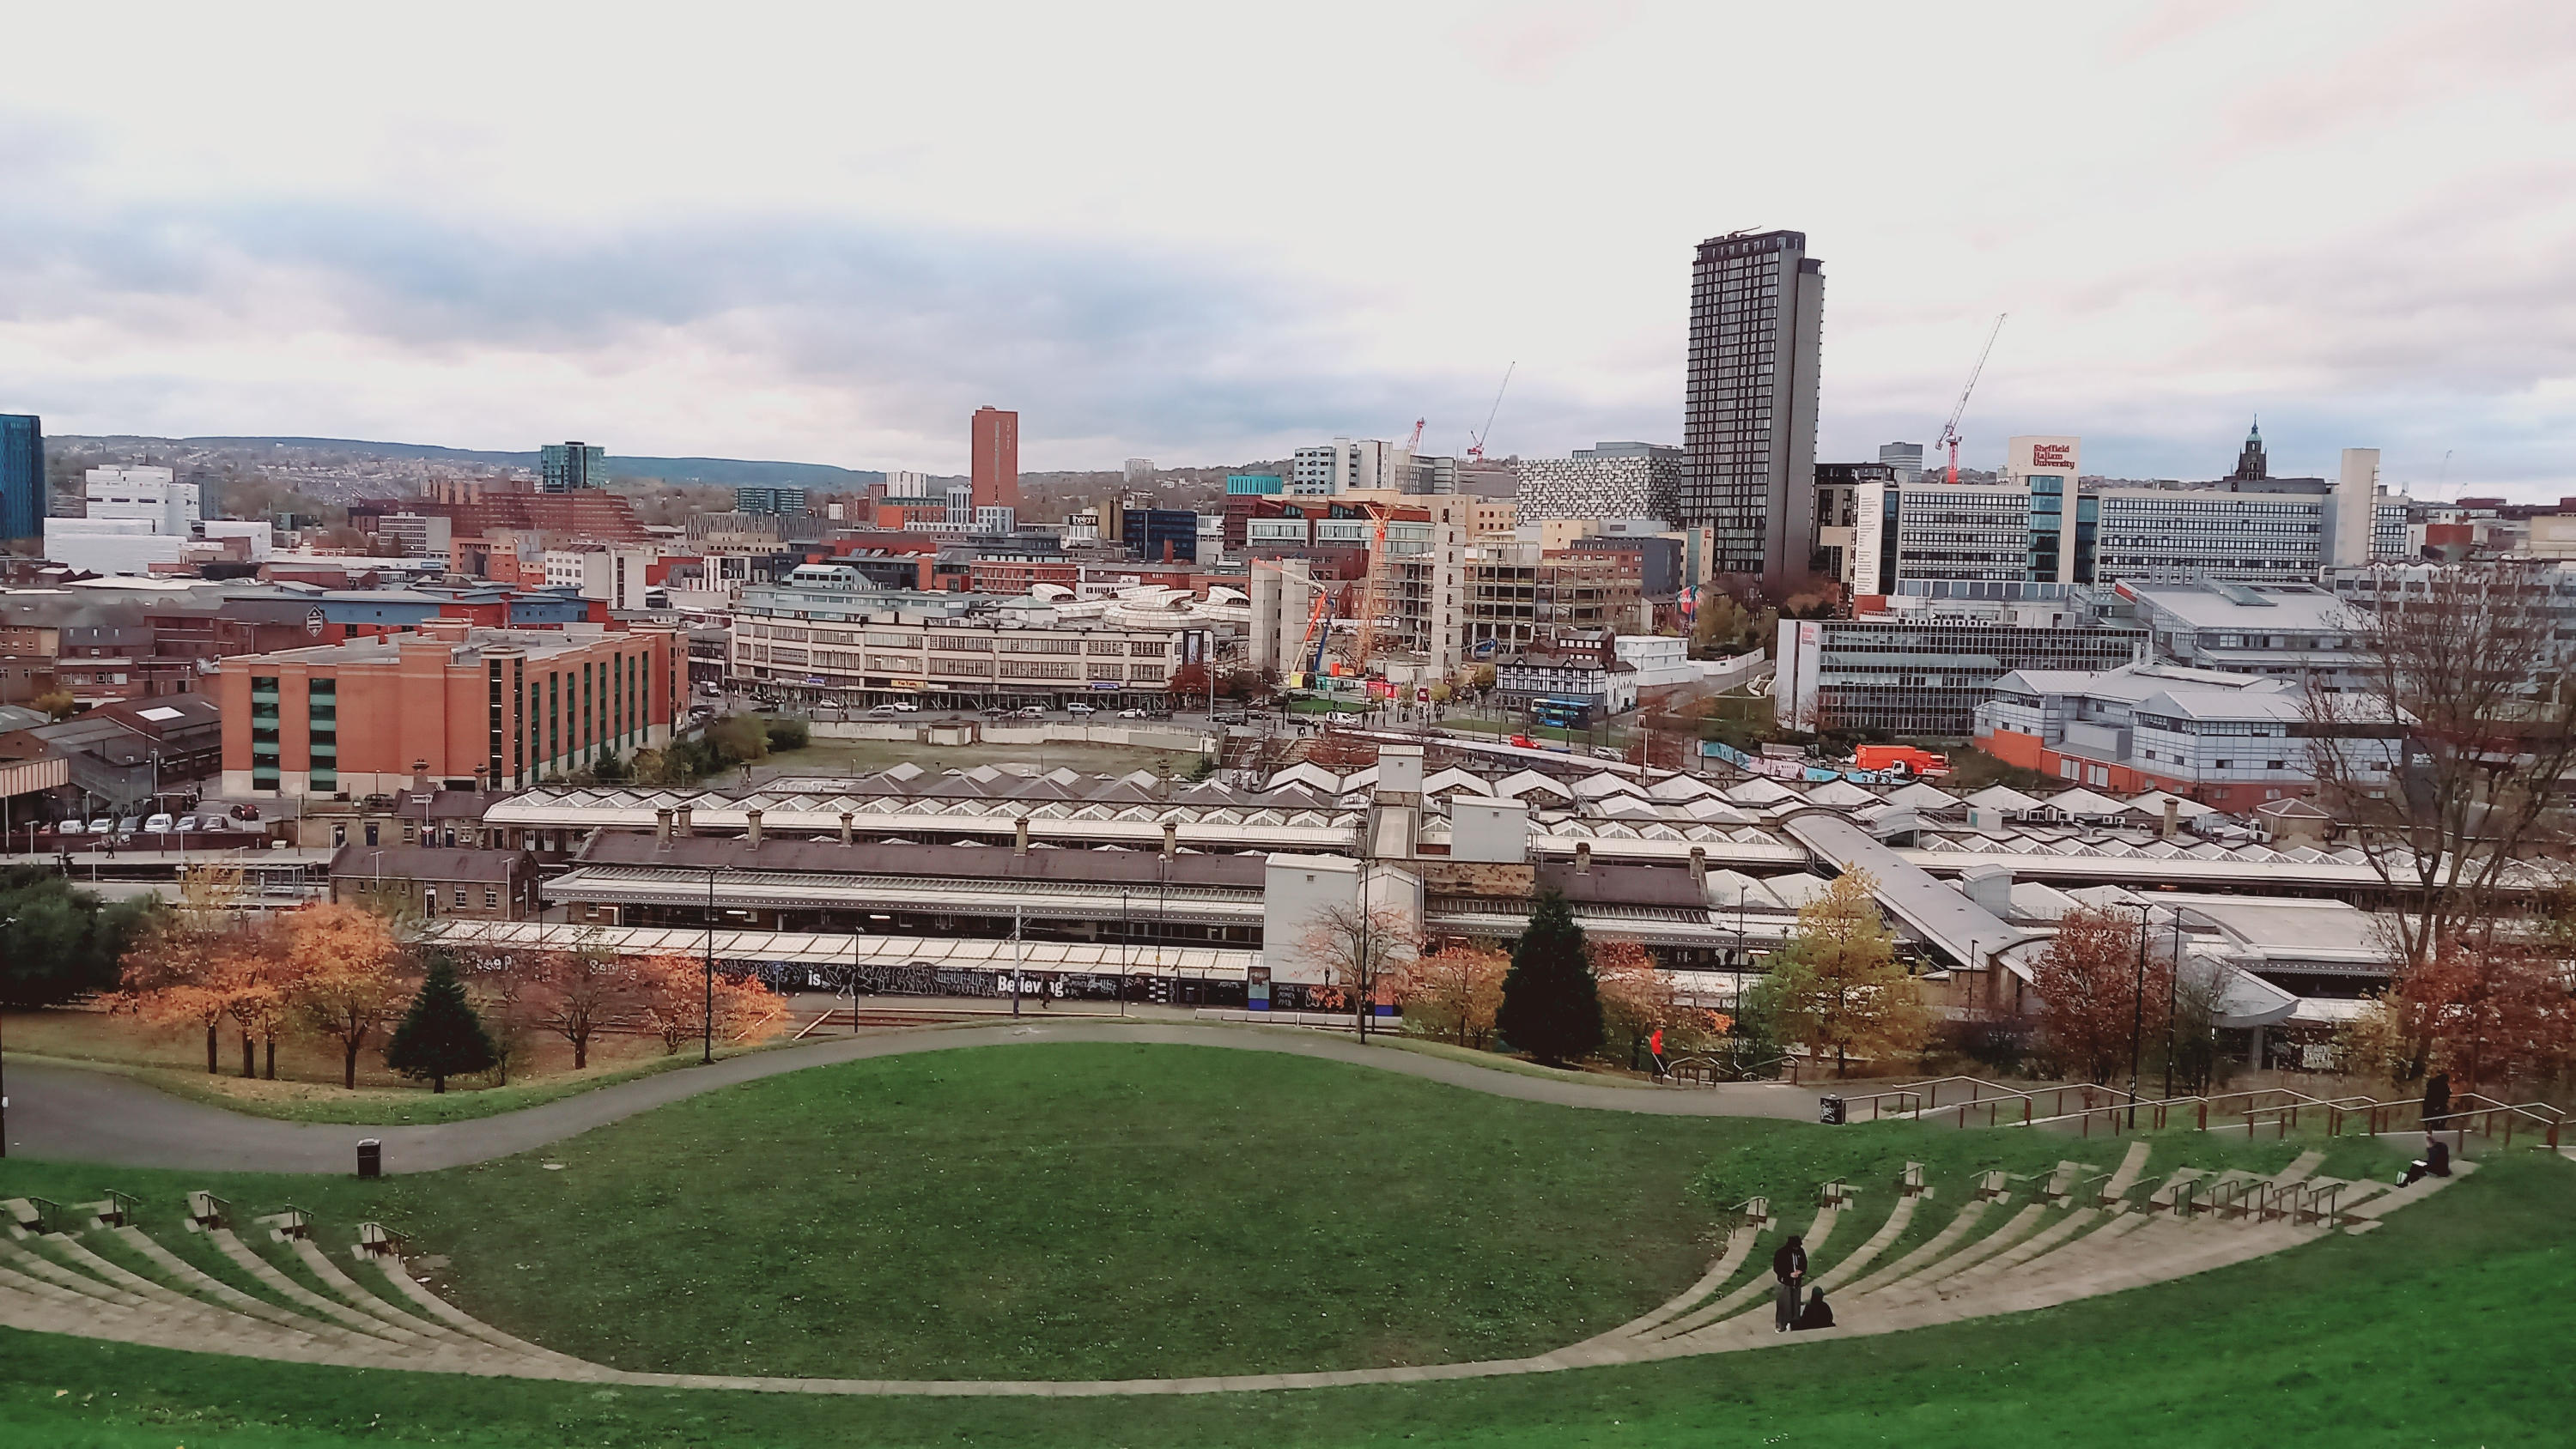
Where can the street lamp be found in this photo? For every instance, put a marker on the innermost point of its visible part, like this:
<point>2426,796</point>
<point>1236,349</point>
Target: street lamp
<point>5,923</point>
<point>2137,1012</point>
<point>707,1047</point>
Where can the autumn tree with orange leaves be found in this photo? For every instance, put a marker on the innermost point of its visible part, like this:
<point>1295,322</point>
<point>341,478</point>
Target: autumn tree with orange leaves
<point>2093,1004</point>
<point>350,977</point>
<point>1454,993</point>
<point>672,993</point>
<point>194,964</point>
<point>2488,1013</point>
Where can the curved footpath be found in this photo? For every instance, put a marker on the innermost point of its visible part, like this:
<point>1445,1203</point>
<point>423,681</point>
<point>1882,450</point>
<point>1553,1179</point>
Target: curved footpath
<point>68,1114</point>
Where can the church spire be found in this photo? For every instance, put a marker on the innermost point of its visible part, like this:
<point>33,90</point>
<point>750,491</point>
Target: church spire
<point>2250,463</point>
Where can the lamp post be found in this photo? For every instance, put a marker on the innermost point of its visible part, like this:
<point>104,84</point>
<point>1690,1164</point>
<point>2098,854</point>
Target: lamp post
<point>2137,1014</point>
<point>2173,984</point>
<point>707,1026</point>
<point>5,923</point>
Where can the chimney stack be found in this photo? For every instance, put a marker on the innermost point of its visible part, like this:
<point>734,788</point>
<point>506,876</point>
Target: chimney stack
<point>1020,836</point>
<point>2173,818</point>
<point>482,778</point>
<point>680,821</point>
<point>1583,857</point>
<point>751,828</point>
<point>662,828</point>
<point>1171,839</point>
<point>1699,865</point>
<point>420,775</point>
<point>845,827</point>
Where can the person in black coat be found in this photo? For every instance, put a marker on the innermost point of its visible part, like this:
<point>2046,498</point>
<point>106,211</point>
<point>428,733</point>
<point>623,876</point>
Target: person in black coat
<point>1789,1265</point>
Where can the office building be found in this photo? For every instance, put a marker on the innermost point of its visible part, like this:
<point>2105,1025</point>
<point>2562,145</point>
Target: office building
<point>571,467</point>
<point>1139,473</point>
<point>142,521</point>
<point>1749,416</point>
<point>1607,480</point>
<point>466,705</point>
<point>2037,524</point>
<point>22,477</point>
<point>995,480</point>
<point>2296,631</point>
<point>1161,535</point>
<point>1838,497</point>
<point>1922,668</point>
<point>1343,465</point>
<point>784,501</point>
<point>2231,741</point>
<point>1906,459</point>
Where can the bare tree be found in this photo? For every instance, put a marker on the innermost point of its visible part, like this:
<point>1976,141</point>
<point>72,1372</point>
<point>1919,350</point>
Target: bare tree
<point>2467,663</point>
<point>1361,952</point>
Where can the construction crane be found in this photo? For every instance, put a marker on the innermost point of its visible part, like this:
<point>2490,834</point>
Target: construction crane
<point>1365,646</point>
<point>1414,443</point>
<point>1476,440</point>
<point>1950,430</point>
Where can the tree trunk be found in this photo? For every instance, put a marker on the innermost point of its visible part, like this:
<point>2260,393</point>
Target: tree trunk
<point>580,1052</point>
<point>269,1050</point>
<point>437,1085</point>
<point>211,1068</point>
<point>249,1063</point>
<point>349,1064</point>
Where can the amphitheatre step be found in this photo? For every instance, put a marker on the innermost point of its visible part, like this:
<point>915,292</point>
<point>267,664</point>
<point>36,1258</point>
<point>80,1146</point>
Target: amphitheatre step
<point>1879,1242</point>
<point>58,1284</point>
<point>2133,1165</point>
<point>1940,1243</point>
<point>2299,1169</point>
<point>1760,1285</point>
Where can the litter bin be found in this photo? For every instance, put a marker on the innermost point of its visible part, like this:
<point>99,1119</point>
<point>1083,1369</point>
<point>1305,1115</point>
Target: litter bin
<point>1829,1110</point>
<point>371,1157</point>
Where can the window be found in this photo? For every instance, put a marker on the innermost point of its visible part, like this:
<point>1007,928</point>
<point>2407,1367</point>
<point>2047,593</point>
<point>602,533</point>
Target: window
<point>371,833</point>
<point>460,898</point>
<point>2275,765</point>
<point>2225,764</point>
<point>491,898</point>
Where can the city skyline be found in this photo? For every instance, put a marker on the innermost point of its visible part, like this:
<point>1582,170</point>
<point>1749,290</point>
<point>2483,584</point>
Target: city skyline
<point>2212,226</point>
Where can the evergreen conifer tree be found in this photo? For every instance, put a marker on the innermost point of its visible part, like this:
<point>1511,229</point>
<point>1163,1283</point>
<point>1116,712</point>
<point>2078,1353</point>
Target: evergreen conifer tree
<point>1551,1007</point>
<point>440,1036</point>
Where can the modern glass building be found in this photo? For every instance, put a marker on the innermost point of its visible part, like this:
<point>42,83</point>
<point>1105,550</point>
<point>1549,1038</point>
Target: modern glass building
<point>571,467</point>
<point>22,476</point>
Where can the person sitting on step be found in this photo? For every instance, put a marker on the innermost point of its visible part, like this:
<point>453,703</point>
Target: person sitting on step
<point>1817,1314</point>
<point>2436,1161</point>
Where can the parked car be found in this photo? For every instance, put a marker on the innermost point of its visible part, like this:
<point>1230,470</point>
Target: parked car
<point>1131,714</point>
<point>186,824</point>
<point>129,825</point>
<point>102,825</point>
<point>1031,711</point>
<point>245,812</point>
<point>886,710</point>
<point>1230,717</point>
<point>71,827</point>
<point>159,824</point>
<point>994,711</point>
<point>1604,752</point>
<point>1522,742</point>
<point>1078,707</point>
<point>214,822</point>
<point>905,706</point>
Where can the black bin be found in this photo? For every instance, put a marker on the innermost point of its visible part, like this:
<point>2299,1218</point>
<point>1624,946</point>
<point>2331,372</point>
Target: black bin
<point>371,1157</point>
<point>1829,1110</point>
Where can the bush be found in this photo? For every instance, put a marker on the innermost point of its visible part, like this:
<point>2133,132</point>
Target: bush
<point>57,942</point>
<point>788,734</point>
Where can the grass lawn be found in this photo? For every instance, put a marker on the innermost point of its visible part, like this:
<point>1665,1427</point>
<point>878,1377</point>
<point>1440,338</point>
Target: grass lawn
<point>1063,1211</point>
<point>308,1088</point>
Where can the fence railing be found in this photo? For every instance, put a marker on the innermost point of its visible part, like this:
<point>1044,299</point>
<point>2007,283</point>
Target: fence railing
<point>2283,1108</point>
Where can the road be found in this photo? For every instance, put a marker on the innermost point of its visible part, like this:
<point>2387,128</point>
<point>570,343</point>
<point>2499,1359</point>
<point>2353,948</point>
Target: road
<point>68,1114</point>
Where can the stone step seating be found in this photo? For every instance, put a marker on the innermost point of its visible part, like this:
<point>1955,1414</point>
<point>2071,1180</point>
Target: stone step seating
<point>116,1280</point>
<point>2084,1232</point>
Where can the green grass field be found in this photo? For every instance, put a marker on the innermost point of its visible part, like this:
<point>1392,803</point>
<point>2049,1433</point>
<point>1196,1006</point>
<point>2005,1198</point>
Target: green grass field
<point>1068,1211</point>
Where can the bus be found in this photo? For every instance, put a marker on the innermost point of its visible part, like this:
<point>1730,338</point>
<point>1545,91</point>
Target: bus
<point>1561,713</point>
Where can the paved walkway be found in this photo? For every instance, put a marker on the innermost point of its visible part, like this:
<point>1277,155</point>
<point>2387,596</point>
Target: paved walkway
<point>69,1114</point>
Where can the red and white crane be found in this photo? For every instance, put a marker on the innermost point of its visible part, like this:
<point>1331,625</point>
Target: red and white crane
<point>1950,430</point>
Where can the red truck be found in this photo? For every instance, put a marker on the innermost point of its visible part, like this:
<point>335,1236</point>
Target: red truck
<point>1900,757</point>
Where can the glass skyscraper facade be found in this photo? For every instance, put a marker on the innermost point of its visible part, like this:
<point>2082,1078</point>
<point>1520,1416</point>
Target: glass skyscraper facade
<point>571,467</point>
<point>22,476</point>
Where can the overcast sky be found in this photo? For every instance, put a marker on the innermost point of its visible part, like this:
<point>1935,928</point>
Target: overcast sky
<point>1210,233</point>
